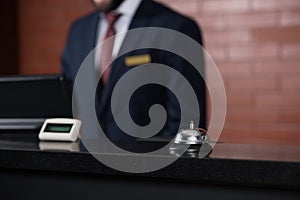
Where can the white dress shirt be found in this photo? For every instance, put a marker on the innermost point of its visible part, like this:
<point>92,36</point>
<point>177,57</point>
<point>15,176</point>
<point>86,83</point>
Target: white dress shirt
<point>127,9</point>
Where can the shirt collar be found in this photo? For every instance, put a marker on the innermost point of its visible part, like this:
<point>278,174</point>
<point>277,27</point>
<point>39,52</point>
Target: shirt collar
<point>128,7</point>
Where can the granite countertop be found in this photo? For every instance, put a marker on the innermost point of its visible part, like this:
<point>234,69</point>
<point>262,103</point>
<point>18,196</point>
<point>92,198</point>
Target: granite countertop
<point>257,165</point>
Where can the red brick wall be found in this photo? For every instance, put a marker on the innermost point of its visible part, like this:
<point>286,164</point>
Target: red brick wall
<point>43,27</point>
<point>255,43</point>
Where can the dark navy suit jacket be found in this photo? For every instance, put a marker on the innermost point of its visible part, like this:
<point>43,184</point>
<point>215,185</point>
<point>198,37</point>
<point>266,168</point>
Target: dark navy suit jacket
<point>82,40</point>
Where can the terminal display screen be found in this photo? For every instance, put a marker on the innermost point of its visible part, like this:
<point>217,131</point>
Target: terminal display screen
<point>58,128</point>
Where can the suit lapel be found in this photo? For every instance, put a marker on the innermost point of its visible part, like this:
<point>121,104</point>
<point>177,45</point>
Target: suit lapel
<point>140,19</point>
<point>91,31</point>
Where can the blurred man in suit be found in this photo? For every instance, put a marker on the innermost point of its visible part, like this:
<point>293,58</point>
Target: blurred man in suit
<point>117,16</point>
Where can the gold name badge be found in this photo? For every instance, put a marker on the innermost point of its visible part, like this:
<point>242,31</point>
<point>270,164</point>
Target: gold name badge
<point>137,60</point>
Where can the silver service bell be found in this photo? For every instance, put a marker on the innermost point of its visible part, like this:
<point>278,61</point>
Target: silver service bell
<point>191,136</point>
<point>190,141</point>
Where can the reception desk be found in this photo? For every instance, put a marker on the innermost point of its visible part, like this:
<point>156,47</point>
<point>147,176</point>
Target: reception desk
<point>30,169</point>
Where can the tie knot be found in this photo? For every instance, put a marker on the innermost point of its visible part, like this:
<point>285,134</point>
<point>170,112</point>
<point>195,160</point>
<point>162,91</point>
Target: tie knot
<point>112,17</point>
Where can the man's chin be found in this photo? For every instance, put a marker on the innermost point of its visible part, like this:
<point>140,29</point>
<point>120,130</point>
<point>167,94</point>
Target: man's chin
<point>102,7</point>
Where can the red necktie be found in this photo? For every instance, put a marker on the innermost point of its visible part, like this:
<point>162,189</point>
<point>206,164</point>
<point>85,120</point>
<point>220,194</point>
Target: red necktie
<point>107,47</point>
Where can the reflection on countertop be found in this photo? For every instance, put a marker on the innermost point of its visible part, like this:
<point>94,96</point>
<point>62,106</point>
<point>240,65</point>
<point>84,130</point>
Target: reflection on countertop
<point>258,165</point>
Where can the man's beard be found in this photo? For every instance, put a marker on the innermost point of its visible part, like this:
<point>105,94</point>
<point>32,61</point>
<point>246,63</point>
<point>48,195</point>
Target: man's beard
<point>113,5</point>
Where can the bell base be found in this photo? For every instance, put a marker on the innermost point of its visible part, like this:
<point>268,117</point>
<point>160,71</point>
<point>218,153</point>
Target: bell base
<point>193,150</point>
